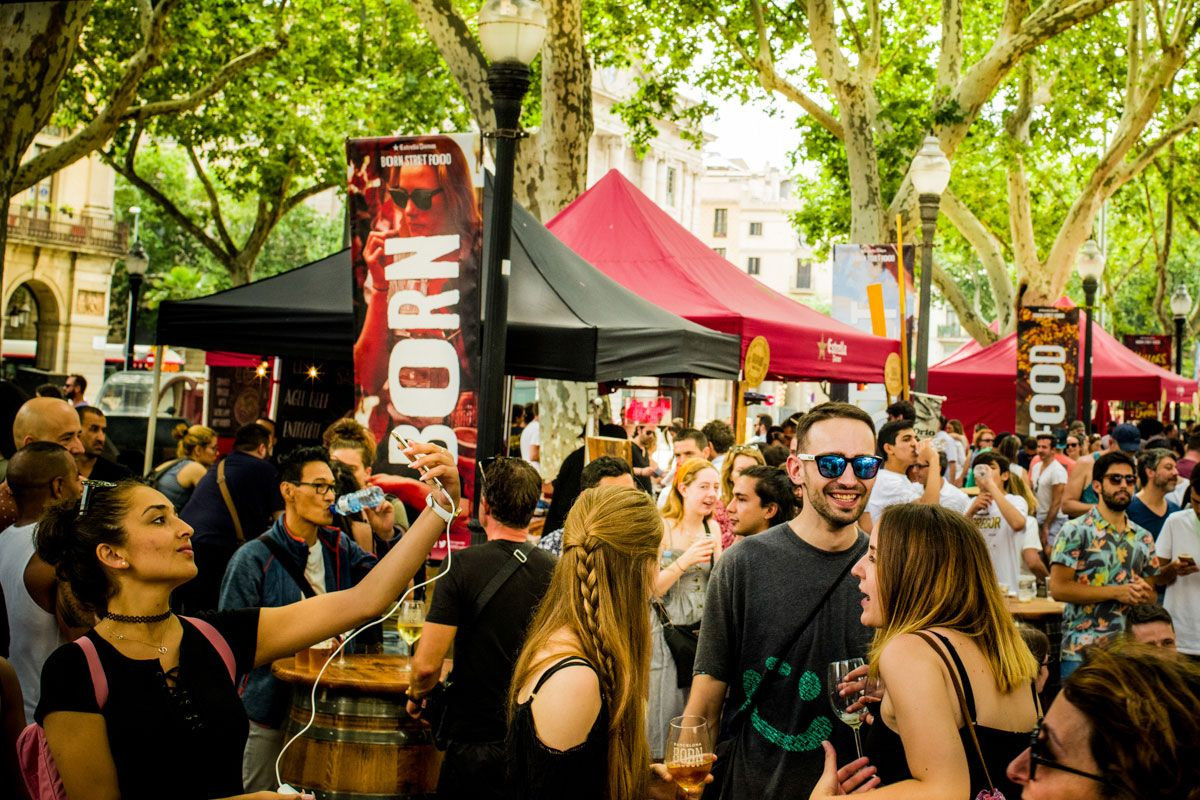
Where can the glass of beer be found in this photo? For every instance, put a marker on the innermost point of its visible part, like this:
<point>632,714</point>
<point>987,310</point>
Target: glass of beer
<point>689,753</point>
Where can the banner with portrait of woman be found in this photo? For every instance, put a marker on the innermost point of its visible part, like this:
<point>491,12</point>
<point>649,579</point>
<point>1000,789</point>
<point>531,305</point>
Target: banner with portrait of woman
<point>416,246</point>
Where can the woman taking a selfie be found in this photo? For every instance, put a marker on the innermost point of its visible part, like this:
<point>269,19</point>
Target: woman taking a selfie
<point>942,632</point>
<point>172,724</point>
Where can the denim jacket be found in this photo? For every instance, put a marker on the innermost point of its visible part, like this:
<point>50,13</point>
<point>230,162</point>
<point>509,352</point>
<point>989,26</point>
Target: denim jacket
<point>256,579</point>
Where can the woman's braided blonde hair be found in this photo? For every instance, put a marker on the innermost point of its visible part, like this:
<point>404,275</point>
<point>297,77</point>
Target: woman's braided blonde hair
<point>600,596</point>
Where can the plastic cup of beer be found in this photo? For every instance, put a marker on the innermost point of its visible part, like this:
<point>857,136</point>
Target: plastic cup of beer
<point>1026,588</point>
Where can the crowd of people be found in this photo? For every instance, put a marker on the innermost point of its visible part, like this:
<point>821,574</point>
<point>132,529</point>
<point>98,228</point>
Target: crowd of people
<point>141,616</point>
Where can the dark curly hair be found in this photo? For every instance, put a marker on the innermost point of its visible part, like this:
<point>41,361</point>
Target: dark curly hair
<point>67,540</point>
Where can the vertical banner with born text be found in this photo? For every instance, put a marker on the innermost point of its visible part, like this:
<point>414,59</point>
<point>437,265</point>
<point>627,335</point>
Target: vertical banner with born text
<point>1157,349</point>
<point>857,266</point>
<point>416,246</point>
<point>1047,367</point>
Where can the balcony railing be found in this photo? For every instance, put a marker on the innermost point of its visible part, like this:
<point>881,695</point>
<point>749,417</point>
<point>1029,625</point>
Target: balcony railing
<point>100,236</point>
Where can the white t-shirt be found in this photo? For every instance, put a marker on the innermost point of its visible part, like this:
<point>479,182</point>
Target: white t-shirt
<point>1002,540</point>
<point>890,489</point>
<point>1031,540</point>
<point>953,498</point>
<point>33,633</point>
<point>1181,534</point>
<point>314,568</point>
<point>1176,495</point>
<point>1044,479</point>
<point>531,435</point>
<point>949,453</point>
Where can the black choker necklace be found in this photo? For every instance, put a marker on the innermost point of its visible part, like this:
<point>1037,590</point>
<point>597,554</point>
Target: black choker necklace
<point>138,619</point>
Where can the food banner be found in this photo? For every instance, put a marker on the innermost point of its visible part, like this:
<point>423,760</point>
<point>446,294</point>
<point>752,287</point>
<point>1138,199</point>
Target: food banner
<point>416,248</point>
<point>857,266</point>
<point>1155,348</point>
<point>1047,363</point>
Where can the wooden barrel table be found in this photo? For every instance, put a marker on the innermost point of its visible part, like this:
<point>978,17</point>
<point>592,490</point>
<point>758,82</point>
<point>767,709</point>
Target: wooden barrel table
<point>362,744</point>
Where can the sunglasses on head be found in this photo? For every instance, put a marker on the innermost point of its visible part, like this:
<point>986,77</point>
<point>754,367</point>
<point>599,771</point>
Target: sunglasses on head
<point>1037,757</point>
<point>421,198</point>
<point>832,465</point>
<point>1116,480</point>
<point>484,466</point>
<point>89,490</point>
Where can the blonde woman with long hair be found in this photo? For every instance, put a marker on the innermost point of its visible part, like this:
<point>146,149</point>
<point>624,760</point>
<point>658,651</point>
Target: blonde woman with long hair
<point>691,544</point>
<point>737,460</point>
<point>930,593</point>
<point>577,709</point>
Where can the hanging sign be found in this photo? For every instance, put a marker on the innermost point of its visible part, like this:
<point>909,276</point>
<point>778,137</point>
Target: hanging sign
<point>758,360</point>
<point>856,268</point>
<point>1047,363</point>
<point>1155,348</point>
<point>416,245</point>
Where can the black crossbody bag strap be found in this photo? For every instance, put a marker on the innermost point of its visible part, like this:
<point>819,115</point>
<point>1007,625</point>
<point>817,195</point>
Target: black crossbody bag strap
<point>519,557</point>
<point>289,565</point>
<point>749,706</point>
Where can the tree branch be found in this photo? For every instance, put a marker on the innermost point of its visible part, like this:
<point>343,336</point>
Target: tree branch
<point>213,203</point>
<point>990,251</point>
<point>461,52</point>
<point>302,195</point>
<point>949,66</point>
<point>1132,169</point>
<point>167,205</point>
<point>771,81</point>
<point>854,32</point>
<point>972,323</point>
<point>227,73</point>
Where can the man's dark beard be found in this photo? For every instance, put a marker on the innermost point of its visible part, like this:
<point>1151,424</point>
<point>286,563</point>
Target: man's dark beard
<point>820,504</point>
<point>1114,503</point>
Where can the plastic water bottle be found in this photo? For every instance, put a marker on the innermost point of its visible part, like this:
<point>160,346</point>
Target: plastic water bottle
<point>355,502</point>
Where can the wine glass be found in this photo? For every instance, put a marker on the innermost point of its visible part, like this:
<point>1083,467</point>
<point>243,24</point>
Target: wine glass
<point>410,621</point>
<point>838,680</point>
<point>689,753</point>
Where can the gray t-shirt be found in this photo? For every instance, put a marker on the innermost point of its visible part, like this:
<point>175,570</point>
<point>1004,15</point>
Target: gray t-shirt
<point>758,595</point>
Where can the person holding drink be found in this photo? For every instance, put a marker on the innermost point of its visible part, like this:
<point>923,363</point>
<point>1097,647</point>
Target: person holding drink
<point>301,555</point>
<point>960,696</point>
<point>576,706</point>
<point>173,724</point>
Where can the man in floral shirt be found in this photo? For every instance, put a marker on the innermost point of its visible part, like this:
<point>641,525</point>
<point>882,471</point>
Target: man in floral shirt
<point>1102,562</point>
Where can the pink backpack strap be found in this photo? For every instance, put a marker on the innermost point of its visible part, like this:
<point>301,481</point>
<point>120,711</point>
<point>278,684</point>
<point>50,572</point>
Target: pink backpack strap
<point>218,642</point>
<point>99,680</point>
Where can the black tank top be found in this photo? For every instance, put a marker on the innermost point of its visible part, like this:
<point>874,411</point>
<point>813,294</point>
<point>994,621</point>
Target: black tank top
<point>536,771</point>
<point>886,750</point>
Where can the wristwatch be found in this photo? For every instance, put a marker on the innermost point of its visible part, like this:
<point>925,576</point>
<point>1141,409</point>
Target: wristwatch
<point>446,514</point>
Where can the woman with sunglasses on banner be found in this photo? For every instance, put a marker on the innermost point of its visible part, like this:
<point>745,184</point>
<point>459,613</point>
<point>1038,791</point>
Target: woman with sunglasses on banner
<point>691,544</point>
<point>172,724</point>
<point>1124,727</point>
<point>434,198</point>
<point>960,692</point>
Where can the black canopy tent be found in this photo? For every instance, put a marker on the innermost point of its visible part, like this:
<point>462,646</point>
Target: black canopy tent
<point>566,319</point>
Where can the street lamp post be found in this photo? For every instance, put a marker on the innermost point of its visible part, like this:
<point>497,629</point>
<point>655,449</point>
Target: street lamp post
<point>511,33</point>
<point>930,173</point>
<point>1090,263</point>
<point>1181,304</point>
<point>136,264</point>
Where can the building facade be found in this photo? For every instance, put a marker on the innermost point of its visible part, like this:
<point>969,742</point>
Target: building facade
<point>745,215</point>
<point>58,264</point>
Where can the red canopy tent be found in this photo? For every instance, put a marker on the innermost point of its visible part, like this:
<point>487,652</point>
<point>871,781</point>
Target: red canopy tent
<point>631,240</point>
<point>980,382</point>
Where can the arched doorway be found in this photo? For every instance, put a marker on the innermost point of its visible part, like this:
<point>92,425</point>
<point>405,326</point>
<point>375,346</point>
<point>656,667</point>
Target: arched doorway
<point>31,323</point>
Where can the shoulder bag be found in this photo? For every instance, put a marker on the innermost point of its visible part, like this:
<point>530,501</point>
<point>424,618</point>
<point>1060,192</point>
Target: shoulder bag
<point>438,701</point>
<point>681,641</point>
<point>233,512</point>
<point>294,571</point>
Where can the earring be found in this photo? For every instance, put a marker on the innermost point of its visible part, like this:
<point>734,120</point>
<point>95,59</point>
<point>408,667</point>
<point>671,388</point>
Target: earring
<point>124,563</point>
